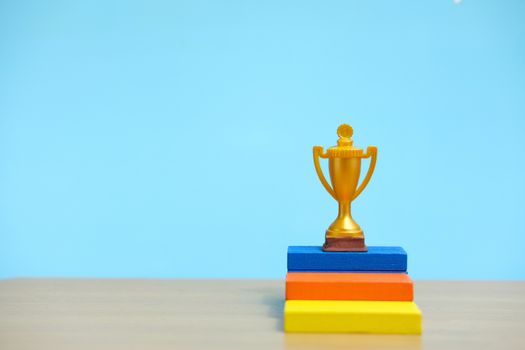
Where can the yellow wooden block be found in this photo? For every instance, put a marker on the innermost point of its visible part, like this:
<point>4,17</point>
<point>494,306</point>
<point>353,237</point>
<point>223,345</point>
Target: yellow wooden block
<point>352,316</point>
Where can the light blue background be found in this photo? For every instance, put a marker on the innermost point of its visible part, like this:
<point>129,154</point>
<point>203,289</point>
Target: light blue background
<point>173,139</point>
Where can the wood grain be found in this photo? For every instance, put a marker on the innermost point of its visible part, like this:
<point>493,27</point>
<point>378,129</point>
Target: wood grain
<point>313,258</point>
<point>352,316</point>
<point>348,286</point>
<point>228,314</point>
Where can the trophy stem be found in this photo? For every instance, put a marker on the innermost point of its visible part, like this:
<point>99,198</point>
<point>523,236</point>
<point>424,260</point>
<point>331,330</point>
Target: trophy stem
<point>345,210</point>
<point>344,235</point>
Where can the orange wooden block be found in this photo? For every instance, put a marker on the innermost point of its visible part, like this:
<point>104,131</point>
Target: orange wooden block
<point>349,286</point>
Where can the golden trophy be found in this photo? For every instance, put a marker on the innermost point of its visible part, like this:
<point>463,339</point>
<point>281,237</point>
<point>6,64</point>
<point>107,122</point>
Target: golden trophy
<point>344,163</point>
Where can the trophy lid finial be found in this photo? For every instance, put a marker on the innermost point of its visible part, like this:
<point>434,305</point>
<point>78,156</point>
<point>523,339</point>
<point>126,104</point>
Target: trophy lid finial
<point>345,132</point>
<point>345,147</point>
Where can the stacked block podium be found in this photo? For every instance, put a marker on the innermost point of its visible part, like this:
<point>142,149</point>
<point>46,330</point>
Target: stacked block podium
<point>350,292</point>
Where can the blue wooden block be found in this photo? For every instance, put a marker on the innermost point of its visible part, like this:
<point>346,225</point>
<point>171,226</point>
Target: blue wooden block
<point>377,259</point>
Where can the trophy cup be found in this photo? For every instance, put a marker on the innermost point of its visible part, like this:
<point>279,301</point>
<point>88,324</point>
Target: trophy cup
<point>344,163</point>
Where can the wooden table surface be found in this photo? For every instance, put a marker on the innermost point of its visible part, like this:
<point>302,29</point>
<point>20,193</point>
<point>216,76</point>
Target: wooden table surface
<point>246,314</point>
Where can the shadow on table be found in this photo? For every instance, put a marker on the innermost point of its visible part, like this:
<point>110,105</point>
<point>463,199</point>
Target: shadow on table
<point>351,341</point>
<point>275,304</point>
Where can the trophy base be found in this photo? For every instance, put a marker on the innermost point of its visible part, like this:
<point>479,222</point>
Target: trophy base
<point>345,244</point>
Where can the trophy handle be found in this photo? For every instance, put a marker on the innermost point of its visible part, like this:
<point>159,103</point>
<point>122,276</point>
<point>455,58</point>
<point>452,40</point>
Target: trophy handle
<point>318,152</point>
<point>370,151</point>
